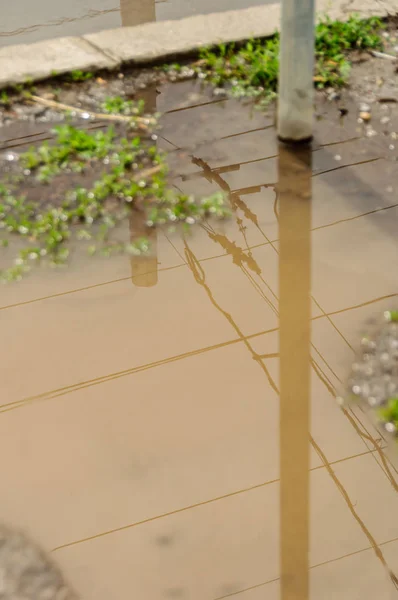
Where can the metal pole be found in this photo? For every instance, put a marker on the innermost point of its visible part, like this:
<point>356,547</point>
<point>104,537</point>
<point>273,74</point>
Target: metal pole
<point>295,104</point>
<point>294,198</point>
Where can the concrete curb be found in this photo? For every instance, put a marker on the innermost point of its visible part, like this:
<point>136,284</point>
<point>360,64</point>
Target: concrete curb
<point>151,42</point>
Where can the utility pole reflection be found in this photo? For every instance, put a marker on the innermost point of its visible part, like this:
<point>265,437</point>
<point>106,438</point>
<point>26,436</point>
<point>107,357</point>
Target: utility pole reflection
<point>294,192</point>
<point>144,269</point>
<point>136,12</point>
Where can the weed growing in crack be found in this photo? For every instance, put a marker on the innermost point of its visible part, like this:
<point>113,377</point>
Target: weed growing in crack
<point>80,75</point>
<point>251,69</point>
<point>5,99</point>
<point>333,42</point>
<point>389,413</point>
<point>120,106</point>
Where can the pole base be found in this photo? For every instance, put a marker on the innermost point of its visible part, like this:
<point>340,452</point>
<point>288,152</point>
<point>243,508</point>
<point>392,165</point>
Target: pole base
<point>294,142</point>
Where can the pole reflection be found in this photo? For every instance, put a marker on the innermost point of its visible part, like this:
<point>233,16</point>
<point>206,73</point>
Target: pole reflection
<point>144,269</point>
<point>136,12</point>
<point>294,191</point>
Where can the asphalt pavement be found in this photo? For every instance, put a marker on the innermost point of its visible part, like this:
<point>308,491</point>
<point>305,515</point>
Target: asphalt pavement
<point>44,19</point>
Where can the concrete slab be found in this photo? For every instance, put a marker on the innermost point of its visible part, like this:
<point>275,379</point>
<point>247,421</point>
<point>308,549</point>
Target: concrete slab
<point>38,61</point>
<point>169,38</point>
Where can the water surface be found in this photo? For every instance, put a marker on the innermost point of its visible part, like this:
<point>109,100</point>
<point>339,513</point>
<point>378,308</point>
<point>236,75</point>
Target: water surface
<point>169,424</point>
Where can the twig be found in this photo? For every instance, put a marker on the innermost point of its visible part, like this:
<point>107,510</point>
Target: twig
<point>148,172</point>
<point>383,55</point>
<point>142,122</point>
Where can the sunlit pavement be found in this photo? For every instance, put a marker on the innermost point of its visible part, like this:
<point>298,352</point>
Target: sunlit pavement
<point>44,19</point>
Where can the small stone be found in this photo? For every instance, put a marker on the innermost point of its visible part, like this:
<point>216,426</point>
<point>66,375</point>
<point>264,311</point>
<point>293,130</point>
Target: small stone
<point>365,116</point>
<point>332,95</point>
<point>10,156</point>
<point>100,81</point>
<point>364,107</point>
<point>371,132</point>
<point>373,401</point>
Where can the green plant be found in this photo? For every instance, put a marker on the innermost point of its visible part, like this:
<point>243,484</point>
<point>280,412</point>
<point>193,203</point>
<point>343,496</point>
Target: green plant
<point>252,68</point>
<point>391,316</point>
<point>124,172</point>
<point>80,75</point>
<point>389,413</point>
<point>334,40</point>
<point>72,149</point>
<point>5,99</point>
<point>120,106</point>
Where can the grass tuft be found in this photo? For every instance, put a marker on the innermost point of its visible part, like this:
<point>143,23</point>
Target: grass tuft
<point>119,172</point>
<point>252,69</point>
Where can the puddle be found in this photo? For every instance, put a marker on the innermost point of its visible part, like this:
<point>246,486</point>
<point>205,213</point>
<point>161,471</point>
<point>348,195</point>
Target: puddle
<point>159,430</point>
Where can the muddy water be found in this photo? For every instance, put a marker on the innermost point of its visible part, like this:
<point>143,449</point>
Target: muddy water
<point>168,426</point>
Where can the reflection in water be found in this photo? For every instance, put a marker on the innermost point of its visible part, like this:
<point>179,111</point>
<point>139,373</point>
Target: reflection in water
<point>144,269</point>
<point>136,12</point>
<point>294,190</point>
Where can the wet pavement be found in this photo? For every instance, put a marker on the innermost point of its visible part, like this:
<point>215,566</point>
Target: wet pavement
<point>154,418</point>
<point>44,19</point>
